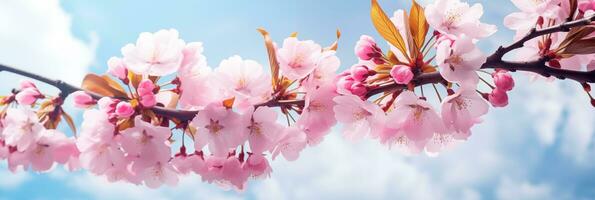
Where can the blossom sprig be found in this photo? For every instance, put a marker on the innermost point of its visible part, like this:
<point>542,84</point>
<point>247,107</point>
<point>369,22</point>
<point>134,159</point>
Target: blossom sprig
<point>436,46</point>
<point>161,91</point>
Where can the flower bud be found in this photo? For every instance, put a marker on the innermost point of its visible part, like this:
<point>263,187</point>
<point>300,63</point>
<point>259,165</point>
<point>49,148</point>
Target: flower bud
<point>107,105</point>
<point>28,96</point>
<point>82,99</point>
<point>358,89</point>
<point>503,80</point>
<point>345,82</point>
<point>124,109</point>
<point>117,68</point>
<point>27,84</point>
<point>498,98</point>
<point>145,87</point>
<point>401,74</point>
<point>366,48</point>
<point>359,73</point>
<point>148,100</point>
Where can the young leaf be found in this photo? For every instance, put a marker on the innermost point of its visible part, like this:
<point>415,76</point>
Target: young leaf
<point>419,25</point>
<point>584,46</point>
<point>103,86</point>
<point>70,122</point>
<point>272,56</point>
<point>386,28</point>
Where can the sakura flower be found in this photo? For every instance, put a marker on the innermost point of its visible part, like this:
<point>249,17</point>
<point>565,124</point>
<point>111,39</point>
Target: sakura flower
<point>257,165</point>
<point>146,143</point>
<point>463,109</point>
<point>262,129</point>
<point>414,118</point>
<point>318,116</point>
<point>48,149</point>
<point>233,174</point>
<point>297,58</point>
<point>531,11</point>
<point>100,152</point>
<point>455,17</point>
<point>117,68</point>
<point>359,117</point>
<point>459,62</point>
<point>155,54</point>
<point>196,90</point>
<point>82,99</point>
<point>158,174</point>
<point>218,128</point>
<point>244,80</point>
<point>22,128</point>
<point>184,164</point>
<point>324,74</point>
<point>107,105</point>
<point>401,74</point>
<point>291,144</point>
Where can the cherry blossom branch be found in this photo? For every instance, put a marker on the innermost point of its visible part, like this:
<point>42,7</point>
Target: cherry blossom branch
<point>495,61</point>
<point>184,115</point>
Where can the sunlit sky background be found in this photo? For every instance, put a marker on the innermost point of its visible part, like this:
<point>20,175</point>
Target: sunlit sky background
<point>539,147</point>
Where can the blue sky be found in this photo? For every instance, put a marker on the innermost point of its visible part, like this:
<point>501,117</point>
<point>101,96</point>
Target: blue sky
<point>540,147</point>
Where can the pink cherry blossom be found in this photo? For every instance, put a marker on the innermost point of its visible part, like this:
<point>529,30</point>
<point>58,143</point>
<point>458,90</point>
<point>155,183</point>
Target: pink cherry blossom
<point>318,117</point>
<point>158,174</point>
<point>459,61</point>
<point>414,118</point>
<point>218,128</point>
<point>291,143</point>
<point>185,164</point>
<point>82,99</point>
<point>503,80</point>
<point>28,96</point>
<point>258,166</point>
<point>107,105</point>
<point>233,174</point>
<point>455,17</point>
<point>367,49</point>
<point>244,80</point>
<point>298,58</point>
<point>360,117</point>
<point>401,74</point>
<point>262,129</point>
<point>117,68</point>
<point>124,109</point>
<point>523,21</point>
<point>325,72</point>
<point>22,128</point>
<point>42,154</point>
<point>146,144</point>
<point>155,54</point>
<point>498,98</point>
<point>462,110</point>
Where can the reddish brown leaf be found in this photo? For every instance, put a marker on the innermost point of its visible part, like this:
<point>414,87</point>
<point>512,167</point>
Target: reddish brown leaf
<point>103,85</point>
<point>272,57</point>
<point>70,122</point>
<point>584,46</point>
<point>419,25</point>
<point>335,44</point>
<point>386,28</point>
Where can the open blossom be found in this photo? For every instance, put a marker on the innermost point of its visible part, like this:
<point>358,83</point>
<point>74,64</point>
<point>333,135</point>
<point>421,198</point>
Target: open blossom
<point>463,109</point>
<point>218,128</point>
<point>414,119</point>
<point>146,144</point>
<point>360,117</point>
<point>291,144</point>
<point>297,58</point>
<point>459,61</point>
<point>455,17</point>
<point>325,72</point>
<point>531,11</point>
<point>185,164</point>
<point>195,75</point>
<point>51,146</point>
<point>155,54</point>
<point>244,80</point>
<point>401,74</point>
<point>262,129</point>
<point>318,117</point>
<point>22,128</point>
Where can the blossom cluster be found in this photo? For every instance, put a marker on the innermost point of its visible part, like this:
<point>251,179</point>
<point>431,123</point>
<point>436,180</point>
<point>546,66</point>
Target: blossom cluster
<point>160,112</point>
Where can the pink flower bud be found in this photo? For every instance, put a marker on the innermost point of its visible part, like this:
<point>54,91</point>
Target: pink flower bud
<point>28,96</point>
<point>586,5</point>
<point>124,109</point>
<point>82,99</point>
<point>359,73</point>
<point>345,82</point>
<point>358,89</point>
<point>401,74</point>
<point>145,87</point>
<point>148,100</point>
<point>498,98</point>
<point>117,68</point>
<point>503,80</point>
<point>107,105</point>
<point>27,84</point>
<point>366,48</point>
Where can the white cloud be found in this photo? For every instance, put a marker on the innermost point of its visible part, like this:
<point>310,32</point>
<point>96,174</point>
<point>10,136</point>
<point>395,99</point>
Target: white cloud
<point>12,180</point>
<point>509,189</point>
<point>36,36</point>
